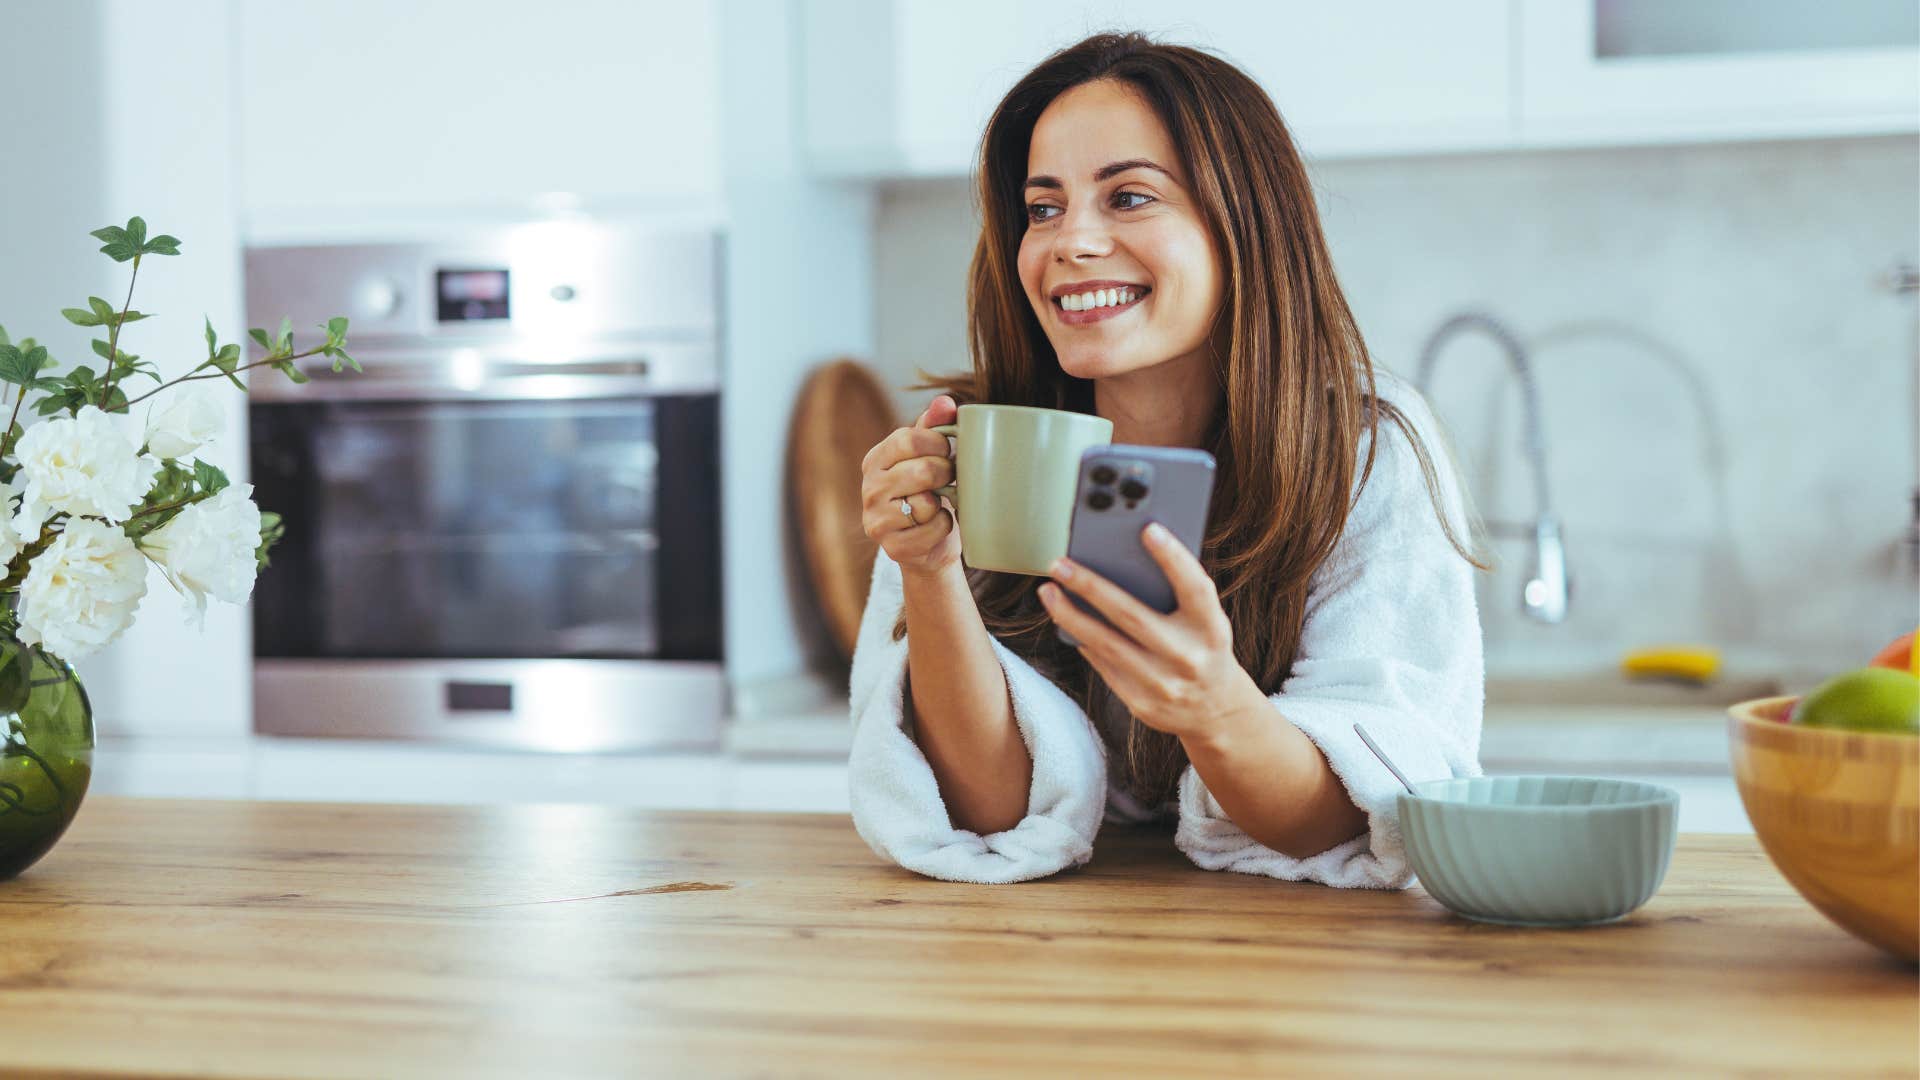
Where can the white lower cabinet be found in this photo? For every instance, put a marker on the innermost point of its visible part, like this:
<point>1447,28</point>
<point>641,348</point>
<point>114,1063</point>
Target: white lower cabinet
<point>323,770</point>
<point>327,770</point>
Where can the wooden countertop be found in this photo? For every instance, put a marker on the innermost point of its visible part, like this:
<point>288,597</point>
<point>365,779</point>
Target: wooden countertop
<point>287,939</point>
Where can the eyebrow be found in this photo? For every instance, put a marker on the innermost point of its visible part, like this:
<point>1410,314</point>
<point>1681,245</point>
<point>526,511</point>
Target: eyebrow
<point>1103,173</point>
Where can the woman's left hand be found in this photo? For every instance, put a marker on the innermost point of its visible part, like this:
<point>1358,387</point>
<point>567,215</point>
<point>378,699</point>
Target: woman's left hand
<point>1175,672</point>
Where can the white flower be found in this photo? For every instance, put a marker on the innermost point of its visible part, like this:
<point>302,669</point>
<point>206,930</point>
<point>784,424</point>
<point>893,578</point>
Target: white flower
<point>208,549</point>
<point>189,417</point>
<point>83,464</point>
<point>81,592</point>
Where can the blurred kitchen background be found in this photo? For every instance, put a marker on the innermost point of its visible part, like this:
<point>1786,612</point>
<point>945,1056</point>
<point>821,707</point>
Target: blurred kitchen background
<point>1653,259</point>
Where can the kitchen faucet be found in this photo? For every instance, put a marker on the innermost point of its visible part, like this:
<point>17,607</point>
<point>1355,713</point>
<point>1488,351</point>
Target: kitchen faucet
<point>1544,597</point>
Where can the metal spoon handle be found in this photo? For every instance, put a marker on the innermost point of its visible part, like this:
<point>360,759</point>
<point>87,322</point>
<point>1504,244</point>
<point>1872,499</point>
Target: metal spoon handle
<point>1382,755</point>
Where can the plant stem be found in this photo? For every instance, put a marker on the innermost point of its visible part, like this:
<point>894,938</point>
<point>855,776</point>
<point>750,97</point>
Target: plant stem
<point>220,374</point>
<point>6,441</point>
<point>24,560</point>
<point>113,337</point>
<point>194,498</point>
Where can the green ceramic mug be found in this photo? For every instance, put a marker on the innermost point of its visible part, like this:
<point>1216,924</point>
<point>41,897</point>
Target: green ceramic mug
<point>1015,469</point>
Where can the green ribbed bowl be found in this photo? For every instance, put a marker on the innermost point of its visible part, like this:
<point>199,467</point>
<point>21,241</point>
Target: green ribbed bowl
<point>1540,850</point>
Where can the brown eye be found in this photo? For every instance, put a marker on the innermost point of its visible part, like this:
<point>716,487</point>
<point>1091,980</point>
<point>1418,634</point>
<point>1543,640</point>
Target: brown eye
<point>1131,195</point>
<point>1037,211</point>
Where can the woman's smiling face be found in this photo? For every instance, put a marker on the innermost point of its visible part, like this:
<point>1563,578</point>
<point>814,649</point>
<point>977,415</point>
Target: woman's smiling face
<point>1111,222</point>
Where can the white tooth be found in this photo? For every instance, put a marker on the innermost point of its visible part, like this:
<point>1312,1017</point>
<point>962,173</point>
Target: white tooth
<point>1093,298</point>
<point>1106,298</point>
<point>1126,296</point>
<point>1066,302</point>
<point>1073,302</point>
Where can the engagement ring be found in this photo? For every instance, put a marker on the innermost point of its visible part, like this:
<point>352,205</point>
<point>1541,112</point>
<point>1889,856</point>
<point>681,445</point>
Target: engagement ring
<point>906,507</point>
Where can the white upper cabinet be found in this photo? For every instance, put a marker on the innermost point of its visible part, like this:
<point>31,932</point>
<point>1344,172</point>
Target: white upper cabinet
<point>460,106</point>
<point>1596,71</point>
<point>904,88</point>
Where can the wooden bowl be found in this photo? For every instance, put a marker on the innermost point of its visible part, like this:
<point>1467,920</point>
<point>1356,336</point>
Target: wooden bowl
<point>1839,814</point>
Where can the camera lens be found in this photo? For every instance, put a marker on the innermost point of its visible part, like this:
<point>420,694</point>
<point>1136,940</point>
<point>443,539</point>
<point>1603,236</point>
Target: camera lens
<point>1102,474</point>
<point>1132,490</point>
<point>1100,500</point>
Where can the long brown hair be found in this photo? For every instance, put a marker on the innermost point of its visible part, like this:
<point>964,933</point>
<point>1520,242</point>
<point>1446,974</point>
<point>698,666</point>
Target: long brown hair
<point>1298,385</point>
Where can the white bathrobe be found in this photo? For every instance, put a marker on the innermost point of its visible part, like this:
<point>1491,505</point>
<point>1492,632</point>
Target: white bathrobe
<point>1391,640</point>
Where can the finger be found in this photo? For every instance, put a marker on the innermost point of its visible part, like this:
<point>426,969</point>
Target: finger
<point>1140,622</point>
<point>887,517</point>
<point>1091,632</point>
<point>904,444</point>
<point>1193,588</point>
<point>941,410</point>
<point>914,475</point>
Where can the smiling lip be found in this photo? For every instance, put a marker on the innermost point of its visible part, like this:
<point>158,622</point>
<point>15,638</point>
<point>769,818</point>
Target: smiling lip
<point>1080,318</point>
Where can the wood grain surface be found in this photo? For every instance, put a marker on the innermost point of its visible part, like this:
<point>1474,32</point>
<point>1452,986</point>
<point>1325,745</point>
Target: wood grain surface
<point>284,939</point>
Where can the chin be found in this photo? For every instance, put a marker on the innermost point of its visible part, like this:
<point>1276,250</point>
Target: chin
<point>1097,363</point>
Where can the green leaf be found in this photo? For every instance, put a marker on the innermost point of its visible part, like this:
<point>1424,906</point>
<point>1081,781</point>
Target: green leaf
<point>211,346</point>
<point>227,359</point>
<point>120,244</point>
<point>210,478</point>
<point>4,340</point>
<point>131,316</point>
<point>292,371</point>
<point>260,336</point>
<point>101,309</point>
<point>105,352</point>
<point>20,366</point>
<point>355,364</point>
<point>136,231</point>
<point>81,318</point>
<point>283,341</point>
<point>161,245</point>
<point>272,529</point>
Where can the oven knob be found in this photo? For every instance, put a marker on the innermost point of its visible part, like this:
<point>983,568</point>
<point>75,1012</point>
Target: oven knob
<point>377,298</point>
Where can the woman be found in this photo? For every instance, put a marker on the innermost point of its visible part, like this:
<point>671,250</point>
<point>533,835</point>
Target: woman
<point>1332,587</point>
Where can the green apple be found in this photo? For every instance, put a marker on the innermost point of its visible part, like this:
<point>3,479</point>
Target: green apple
<point>1870,699</point>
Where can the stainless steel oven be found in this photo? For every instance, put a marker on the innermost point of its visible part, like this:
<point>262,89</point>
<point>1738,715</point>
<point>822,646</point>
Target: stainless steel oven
<point>506,529</point>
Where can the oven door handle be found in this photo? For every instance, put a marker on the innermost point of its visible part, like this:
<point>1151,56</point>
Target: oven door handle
<point>462,373</point>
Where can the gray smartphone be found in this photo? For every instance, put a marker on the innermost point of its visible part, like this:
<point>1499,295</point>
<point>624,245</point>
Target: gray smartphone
<point>1121,489</point>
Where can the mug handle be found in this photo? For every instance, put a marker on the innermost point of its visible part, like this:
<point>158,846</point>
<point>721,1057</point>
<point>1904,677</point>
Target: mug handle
<point>952,431</point>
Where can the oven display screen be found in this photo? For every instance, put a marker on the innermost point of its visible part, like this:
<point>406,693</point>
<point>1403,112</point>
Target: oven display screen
<point>470,295</point>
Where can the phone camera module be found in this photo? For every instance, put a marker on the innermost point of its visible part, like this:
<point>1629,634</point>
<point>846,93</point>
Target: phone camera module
<point>1100,500</point>
<point>1103,475</point>
<point>1132,490</point>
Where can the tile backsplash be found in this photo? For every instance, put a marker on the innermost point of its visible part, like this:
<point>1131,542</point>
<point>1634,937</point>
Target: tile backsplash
<point>1726,381</point>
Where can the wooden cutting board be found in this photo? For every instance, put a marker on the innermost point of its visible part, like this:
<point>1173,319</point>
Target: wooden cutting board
<point>843,411</point>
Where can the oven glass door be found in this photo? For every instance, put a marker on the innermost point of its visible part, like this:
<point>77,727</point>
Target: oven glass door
<point>460,529</point>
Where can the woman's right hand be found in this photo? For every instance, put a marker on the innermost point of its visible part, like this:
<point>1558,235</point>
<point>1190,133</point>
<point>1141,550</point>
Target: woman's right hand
<point>909,464</point>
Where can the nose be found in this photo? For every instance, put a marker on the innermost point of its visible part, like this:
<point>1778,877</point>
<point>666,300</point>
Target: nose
<point>1082,235</point>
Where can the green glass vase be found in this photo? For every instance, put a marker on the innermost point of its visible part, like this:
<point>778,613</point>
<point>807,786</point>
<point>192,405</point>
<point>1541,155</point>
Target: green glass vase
<point>47,757</point>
